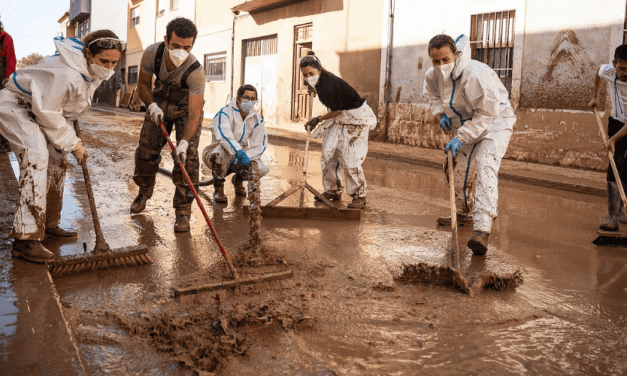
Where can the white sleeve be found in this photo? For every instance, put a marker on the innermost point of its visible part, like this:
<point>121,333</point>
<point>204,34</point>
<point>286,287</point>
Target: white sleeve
<point>483,96</point>
<point>432,94</point>
<point>258,140</point>
<point>221,127</point>
<point>50,92</point>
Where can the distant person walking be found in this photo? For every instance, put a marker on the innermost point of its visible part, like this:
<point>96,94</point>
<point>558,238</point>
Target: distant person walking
<point>7,67</point>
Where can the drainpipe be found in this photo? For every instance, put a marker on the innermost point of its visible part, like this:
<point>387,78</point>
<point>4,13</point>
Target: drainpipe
<point>235,15</point>
<point>388,71</point>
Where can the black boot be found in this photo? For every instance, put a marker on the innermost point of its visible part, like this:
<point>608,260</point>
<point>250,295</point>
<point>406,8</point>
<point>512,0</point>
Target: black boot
<point>613,205</point>
<point>218,191</point>
<point>139,204</point>
<point>479,242</point>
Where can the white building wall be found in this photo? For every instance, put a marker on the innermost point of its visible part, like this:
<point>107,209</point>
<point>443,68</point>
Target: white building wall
<point>110,14</point>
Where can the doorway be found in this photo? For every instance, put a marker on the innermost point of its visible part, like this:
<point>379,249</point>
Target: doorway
<point>302,45</point>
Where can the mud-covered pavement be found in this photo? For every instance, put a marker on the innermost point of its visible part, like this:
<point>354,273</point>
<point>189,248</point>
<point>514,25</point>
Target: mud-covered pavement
<point>343,312</point>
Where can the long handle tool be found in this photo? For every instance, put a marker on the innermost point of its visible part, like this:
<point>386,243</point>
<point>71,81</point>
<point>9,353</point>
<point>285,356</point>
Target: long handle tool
<point>451,181</point>
<point>103,257</point>
<point>609,237</point>
<point>237,281</point>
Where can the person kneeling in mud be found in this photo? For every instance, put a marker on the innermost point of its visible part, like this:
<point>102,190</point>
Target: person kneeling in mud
<point>471,102</point>
<point>615,75</point>
<point>238,136</point>
<point>344,129</point>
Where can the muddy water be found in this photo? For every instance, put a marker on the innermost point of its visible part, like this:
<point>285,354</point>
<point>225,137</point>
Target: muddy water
<point>343,312</point>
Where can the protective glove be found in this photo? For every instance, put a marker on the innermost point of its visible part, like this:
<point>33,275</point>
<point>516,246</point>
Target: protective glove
<point>155,113</point>
<point>79,153</point>
<point>311,124</point>
<point>181,151</point>
<point>445,123</point>
<point>242,158</point>
<point>454,145</point>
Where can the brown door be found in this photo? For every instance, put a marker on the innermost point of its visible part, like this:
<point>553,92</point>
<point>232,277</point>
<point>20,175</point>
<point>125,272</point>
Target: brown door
<point>300,100</point>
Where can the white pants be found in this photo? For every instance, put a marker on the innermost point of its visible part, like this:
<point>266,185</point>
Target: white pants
<point>42,171</point>
<point>220,162</point>
<point>476,178</point>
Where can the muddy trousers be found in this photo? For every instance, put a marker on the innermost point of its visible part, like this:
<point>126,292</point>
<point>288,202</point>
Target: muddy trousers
<point>42,178</point>
<point>148,157</point>
<point>476,178</point>
<point>222,163</point>
<point>345,147</point>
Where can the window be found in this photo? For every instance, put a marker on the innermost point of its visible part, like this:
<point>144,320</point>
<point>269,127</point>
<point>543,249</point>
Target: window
<point>134,17</point>
<point>492,42</point>
<point>215,67</point>
<point>174,4</point>
<point>86,27</point>
<point>132,75</point>
<point>160,7</point>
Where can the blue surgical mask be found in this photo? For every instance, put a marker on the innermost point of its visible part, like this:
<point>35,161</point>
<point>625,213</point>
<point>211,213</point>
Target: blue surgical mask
<point>246,106</point>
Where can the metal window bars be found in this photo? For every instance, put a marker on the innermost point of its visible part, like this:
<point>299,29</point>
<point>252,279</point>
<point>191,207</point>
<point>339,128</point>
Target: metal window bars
<point>492,42</point>
<point>215,67</point>
<point>261,46</point>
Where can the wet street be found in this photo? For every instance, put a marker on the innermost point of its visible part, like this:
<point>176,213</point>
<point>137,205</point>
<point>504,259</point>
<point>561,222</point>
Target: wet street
<point>343,312</point>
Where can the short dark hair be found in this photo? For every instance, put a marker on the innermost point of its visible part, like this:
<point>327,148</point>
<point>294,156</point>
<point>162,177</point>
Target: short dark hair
<point>94,48</point>
<point>620,53</point>
<point>244,88</point>
<point>442,40</point>
<point>183,27</point>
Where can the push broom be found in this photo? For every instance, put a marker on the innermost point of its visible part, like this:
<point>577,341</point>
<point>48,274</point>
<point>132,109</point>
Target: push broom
<point>237,281</point>
<point>102,257</point>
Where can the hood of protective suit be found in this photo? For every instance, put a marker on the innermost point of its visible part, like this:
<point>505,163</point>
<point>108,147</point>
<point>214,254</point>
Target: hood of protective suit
<point>70,51</point>
<point>462,43</point>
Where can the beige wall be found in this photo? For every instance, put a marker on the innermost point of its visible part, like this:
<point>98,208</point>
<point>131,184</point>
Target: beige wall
<point>346,38</point>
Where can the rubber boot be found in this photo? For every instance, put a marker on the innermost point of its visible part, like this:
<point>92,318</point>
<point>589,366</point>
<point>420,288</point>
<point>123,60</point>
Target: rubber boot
<point>613,205</point>
<point>58,232</point>
<point>32,251</point>
<point>358,202</point>
<point>238,183</point>
<point>479,242</point>
<point>139,204</point>
<point>331,196</point>
<point>462,220</point>
<point>218,191</point>
<point>181,223</point>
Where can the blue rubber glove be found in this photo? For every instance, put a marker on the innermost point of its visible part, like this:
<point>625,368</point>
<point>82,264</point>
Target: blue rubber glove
<point>242,158</point>
<point>454,145</point>
<point>445,123</point>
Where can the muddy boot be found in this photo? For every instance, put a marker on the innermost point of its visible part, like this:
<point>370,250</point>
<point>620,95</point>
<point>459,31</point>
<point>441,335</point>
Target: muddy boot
<point>613,204</point>
<point>479,242</point>
<point>238,183</point>
<point>462,220</point>
<point>139,204</point>
<point>32,251</point>
<point>181,223</point>
<point>58,232</point>
<point>358,202</point>
<point>218,191</point>
<point>331,196</point>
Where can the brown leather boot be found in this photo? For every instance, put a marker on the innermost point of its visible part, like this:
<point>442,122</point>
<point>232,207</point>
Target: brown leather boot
<point>181,223</point>
<point>32,251</point>
<point>139,204</point>
<point>58,232</point>
<point>218,191</point>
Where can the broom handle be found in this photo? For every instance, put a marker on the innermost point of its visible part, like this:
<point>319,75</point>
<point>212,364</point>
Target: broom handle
<point>100,240</point>
<point>612,163</point>
<point>202,207</point>
<point>451,183</point>
<point>302,192</point>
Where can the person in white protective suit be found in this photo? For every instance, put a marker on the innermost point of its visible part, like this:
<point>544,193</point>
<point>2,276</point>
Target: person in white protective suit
<point>472,103</point>
<point>37,108</point>
<point>238,136</point>
<point>344,129</point>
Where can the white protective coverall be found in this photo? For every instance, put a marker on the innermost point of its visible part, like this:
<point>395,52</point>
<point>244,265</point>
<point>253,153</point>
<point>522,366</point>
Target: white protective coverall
<point>231,133</point>
<point>345,145</point>
<point>37,108</point>
<point>477,103</point>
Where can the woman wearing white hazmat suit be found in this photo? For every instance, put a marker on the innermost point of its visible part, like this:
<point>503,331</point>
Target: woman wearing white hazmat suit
<point>37,108</point>
<point>473,104</point>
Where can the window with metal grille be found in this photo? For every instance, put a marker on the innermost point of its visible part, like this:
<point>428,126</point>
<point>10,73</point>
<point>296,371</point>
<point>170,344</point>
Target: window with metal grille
<point>304,33</point>
<point>134,17</point>
<point>492,42</point>
<point>215,67</point>
<point>261,46</point>
<point>132,75</point>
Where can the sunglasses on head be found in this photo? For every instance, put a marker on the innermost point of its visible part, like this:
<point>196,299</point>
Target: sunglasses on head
<point>109,43</point>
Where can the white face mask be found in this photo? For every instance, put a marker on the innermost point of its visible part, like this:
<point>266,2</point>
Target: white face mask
<point>101,72</point>
<point>178,56</point>
<point>313,80</point>
<point>446,69</point>
<point>246,106</point>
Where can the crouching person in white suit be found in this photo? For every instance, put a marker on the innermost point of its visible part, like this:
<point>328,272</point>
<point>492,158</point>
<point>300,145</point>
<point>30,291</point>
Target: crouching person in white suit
<point>37,108</point>
<point>238,136</point>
